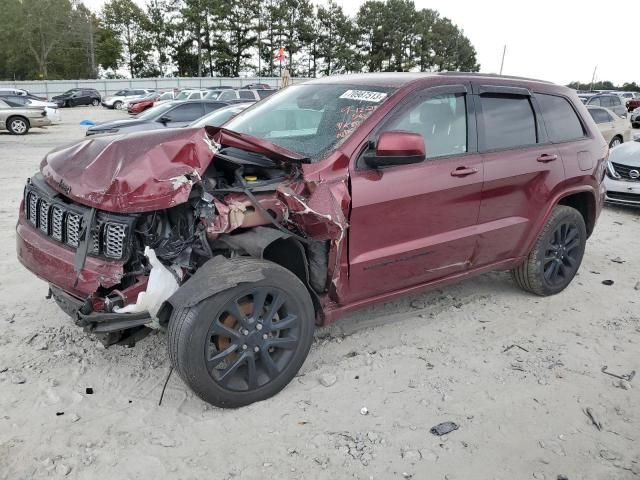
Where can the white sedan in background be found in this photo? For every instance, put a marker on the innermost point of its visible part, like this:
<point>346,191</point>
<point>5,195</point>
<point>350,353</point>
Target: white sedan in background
<point>623,174</point>
<point>25,101</point>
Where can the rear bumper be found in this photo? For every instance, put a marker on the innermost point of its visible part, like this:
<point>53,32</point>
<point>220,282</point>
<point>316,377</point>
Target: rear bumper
<point>36,122</point>
<point>53,262</point>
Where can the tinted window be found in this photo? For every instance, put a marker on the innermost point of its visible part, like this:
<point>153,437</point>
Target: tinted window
<point>599,115</point>
<point>195,96</point>
<point>560,119</point>
<point>594,101</point>
<point>210,107</point>
<point>507,122</point>
<point>246,94</point>
<point>186,113</point>
<point>442,122</point>
<point>265,93</point>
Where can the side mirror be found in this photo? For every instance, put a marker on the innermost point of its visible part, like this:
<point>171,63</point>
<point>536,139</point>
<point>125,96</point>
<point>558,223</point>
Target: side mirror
<point>397,148</point>
<point>165,119</point>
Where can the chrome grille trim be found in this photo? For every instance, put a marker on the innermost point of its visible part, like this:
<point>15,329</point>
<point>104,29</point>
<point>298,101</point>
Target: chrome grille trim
<point>73,229</point>
<point>57,219</point>
<point>43,215</point>
<point>114,235</point>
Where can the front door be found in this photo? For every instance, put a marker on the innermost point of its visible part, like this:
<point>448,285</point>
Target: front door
<point>411,224</point>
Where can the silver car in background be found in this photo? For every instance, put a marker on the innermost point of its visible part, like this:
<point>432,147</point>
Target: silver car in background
<point>623,174</point>
<point>18,120</point>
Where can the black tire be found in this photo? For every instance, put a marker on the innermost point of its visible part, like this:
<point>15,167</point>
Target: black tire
<point>194,339</point>
<point>538,274</point>
<point>615,141</point>
<point>95,102</point>
<point>117,105</point>
<point>18,125</point>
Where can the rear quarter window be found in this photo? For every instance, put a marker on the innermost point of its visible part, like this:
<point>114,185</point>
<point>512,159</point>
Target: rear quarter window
<point>507,122</point>
<point>560,118</point>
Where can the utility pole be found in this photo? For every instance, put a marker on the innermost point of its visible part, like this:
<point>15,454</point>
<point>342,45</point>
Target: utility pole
<point>504,51</point>
<point>92,53</point>
<point>593,77</point>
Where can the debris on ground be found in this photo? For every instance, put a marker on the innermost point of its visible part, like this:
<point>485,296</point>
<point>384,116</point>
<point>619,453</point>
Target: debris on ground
<point>327,379</point>
<point>592,416</point>
<point>364,411</point>
<point>608,283</point>
<point>444,428</point>
<point>628,376</point>
<point>617,260</point>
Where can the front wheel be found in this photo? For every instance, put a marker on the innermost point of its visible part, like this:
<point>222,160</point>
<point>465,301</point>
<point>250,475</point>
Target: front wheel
<point>556,254</point>
<point>18,126</point>
<point>95,102</point>
<point>615,141</point>
<point>247,343</point>
<point>117,105</point>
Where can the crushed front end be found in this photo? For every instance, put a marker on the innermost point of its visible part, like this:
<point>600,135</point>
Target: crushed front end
<point>87,219</point>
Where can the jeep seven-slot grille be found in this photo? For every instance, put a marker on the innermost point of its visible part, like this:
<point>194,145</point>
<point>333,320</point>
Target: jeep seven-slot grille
<point>63,223</point>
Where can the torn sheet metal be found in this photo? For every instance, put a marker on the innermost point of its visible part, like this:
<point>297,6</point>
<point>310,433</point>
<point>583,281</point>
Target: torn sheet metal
<point>135,172</point>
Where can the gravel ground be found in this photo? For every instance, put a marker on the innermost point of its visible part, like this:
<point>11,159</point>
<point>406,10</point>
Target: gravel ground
<point>520,375</point>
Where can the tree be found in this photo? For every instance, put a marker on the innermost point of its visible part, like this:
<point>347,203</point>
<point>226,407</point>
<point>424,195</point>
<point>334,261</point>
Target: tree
<point>370,22</point>
<point>159,28</point>
<point>240,25</point>
<point>130,24</point>
<point>336,37</point>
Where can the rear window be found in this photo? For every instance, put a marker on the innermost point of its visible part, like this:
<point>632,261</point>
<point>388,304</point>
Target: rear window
<point>246,94</point>
<point>507,122</point>
<point>600,115</point>
<point>560,118</point>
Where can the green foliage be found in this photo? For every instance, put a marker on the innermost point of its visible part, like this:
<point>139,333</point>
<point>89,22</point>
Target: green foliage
<point>605,85</point>
<point>62,39</point>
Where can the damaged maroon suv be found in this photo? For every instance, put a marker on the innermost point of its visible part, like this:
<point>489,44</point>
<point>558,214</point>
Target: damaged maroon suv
<point>324,198</point>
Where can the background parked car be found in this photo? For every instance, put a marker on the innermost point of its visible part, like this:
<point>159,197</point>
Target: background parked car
<point>243,94</point>
<point>13,91</point>
<point>18,120</point>
<point>29,101</point>
<point>623,174</point>
<point>614,129</point>
<point>632,104</point>
<point>138,105</point>
<point>635,118</point>
<point>78,96</point>
<point>191,94</point>
<point>608,100</point>
<point>220,116</point>
<point>117,100</point>
<point>258,86</point>
<point>167,115</point>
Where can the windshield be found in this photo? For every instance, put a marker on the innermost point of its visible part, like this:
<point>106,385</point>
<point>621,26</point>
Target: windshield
<point>183,95</point>
<point>154,111</point>
<point>311,120</point>
<point>220,116</point>
<point>213,95</point>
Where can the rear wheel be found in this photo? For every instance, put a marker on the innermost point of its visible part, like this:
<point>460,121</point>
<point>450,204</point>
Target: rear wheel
<point>247,343</point>
<point>117,105</point>
<point>18,125</point>
<point>615,141</point>
<point>556,254</point>
<point>95,102</point>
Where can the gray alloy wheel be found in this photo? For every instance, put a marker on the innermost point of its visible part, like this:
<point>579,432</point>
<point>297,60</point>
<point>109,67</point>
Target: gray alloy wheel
<point>18,126</point>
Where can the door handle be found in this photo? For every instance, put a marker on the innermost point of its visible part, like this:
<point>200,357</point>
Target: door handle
<point>463,171</point>
<point>544,158</point>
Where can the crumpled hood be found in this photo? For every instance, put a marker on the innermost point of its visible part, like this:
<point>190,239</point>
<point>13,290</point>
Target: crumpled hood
<point>136,172</point>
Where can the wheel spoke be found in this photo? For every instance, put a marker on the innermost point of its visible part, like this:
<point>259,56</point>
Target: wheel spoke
<point>548,259</point>
<point>216,359</point>
<point>571,234</point>
<point>272,309</point>
<point>287,322</point>
<point>236,312</point>
<point>550,272</point>
<point>286,343</point>
<point>269,365</point>
<point>224,331</point>
<point>258,303</point>
<point>569,261</point>
<point>231,369</point>
<point>572,245</point>
<point>252,374</point>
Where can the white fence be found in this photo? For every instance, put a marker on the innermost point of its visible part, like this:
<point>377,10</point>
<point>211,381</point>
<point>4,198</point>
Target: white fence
<point>49,88</point>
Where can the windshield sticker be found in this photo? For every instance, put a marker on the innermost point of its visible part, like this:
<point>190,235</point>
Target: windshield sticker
<point>364,96</point>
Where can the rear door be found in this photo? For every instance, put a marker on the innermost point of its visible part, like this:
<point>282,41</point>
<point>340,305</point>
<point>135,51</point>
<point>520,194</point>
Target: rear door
<point>521,167</point>
<point>604,122</point>
<point>412,224</point>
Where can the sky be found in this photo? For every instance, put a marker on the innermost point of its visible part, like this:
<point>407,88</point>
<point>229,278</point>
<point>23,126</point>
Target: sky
<point>556,40</point>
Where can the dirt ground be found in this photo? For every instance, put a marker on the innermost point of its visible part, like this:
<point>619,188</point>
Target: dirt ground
<point>519,374</point>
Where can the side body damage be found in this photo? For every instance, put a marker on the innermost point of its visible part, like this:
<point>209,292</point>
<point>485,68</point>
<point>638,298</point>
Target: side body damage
<point>195,198</point>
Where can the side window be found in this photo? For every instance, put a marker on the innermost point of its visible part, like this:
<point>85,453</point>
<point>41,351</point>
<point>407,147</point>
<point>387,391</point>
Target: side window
<point>616,101</point>
<point>507,122</point>
<point>599,115</point>
<point>560,119</point>
<point>247,94</point>
<point>186,113</point>
<point>210,107</point>
<point>594,101</point>
<point>228,95</point>
<point>442,122</point>
<point>606,102</point>
<point>195,96</point>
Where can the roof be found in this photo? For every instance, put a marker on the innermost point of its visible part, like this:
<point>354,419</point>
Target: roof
<point>400,79</point>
